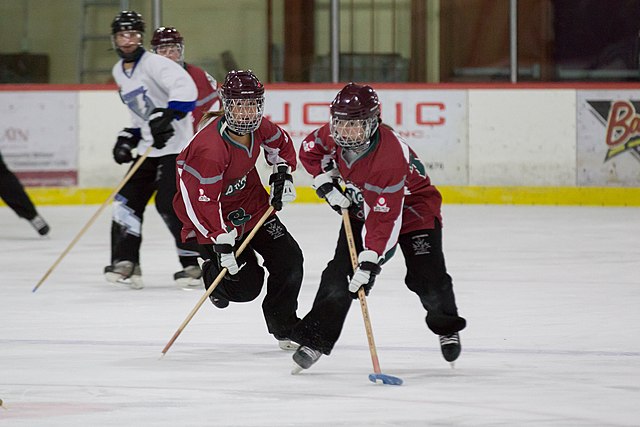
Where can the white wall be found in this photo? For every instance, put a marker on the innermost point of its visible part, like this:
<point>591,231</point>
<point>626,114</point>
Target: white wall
<point>492,137</point>
<point>515,138</point>
<point>101,115</point>
<point>522,137</point>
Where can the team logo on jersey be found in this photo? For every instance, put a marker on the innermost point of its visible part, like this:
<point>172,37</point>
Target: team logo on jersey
<point>203,197</point>
<point>420,245</point>
<point>238,217</point>
<point>381,205</point>
<point>274,228</point>
<point>308,145</point>
<point>236,186</point>
<point>138,102</point>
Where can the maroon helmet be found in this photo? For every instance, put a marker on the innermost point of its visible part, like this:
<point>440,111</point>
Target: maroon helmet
<point>166,35</point>
<point>355,115</point>
<point>168,42</point>
<point>243,101</point>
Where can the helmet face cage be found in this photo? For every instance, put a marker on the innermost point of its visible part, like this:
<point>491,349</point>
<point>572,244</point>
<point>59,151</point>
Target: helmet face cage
<point>352,134</point>
<point>243,116</point>
<point>355,115</point>
<point>243,101</point>
<point>167,41</point>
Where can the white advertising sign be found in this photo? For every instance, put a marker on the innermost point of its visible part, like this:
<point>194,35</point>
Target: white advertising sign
<point>38,136</point>
<point>608,132</point>
<point>433,122</point>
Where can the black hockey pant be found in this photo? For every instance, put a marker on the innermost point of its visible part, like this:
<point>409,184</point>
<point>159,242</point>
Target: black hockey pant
<point>282,259</point>
<point>13,194</point>
<point>426,276</point>
<point>156,174</point>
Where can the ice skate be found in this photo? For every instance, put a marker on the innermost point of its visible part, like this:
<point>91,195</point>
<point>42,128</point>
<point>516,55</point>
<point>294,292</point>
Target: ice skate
<point>124,272</point>
<point>303,358</point>
<point>450,347</point>
<point>286,344</point>
<point>40,225</point>
<point>219,302</point>
<point>189,278</point>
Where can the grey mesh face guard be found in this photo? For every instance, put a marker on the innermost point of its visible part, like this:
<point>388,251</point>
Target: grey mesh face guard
<point>352,134</point>
<point>243,116</point>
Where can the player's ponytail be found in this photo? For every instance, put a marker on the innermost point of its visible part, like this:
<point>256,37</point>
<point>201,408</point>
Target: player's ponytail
<point>208,116</point>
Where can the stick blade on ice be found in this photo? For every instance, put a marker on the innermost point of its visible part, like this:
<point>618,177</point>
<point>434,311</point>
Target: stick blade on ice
<point>385,379</point>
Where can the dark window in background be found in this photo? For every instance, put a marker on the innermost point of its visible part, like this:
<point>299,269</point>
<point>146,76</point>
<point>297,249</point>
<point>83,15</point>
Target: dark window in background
<point>596,39</point>
<point>558,40</point>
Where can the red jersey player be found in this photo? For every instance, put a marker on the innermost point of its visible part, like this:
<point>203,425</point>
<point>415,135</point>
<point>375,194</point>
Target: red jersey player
<point>392,203</point>
<point>221,198</point>
<point>168,42</point>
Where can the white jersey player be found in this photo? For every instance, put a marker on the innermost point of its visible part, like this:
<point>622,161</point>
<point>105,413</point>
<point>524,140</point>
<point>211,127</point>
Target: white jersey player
<point>144,88</point>
<point>160,95</point>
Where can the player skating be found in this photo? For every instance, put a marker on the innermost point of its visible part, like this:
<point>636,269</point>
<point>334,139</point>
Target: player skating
<point>395,204</point>
<point>221,198</point>
<point>159,94</point>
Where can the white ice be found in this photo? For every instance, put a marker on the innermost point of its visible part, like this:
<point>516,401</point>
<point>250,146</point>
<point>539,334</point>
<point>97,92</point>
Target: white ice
<point>551,295</point>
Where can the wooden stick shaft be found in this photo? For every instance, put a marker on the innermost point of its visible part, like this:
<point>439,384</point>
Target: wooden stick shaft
<point>217,280</point>
<point>361,295</point>
<point>64,253</point>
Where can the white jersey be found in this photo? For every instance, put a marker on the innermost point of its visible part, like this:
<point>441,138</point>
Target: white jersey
<point>157,82</point>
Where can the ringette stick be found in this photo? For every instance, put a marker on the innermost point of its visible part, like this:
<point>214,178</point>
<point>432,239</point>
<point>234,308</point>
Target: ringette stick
<point>377,376</point>
<point>64,253</point>
<point>217,280</point>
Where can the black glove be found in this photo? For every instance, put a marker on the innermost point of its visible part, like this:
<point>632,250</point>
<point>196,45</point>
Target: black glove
<point>327,187</point>
<point>282,189</point>
<point>128,139</point>
<point>160,125</point>
<point>365,274</point>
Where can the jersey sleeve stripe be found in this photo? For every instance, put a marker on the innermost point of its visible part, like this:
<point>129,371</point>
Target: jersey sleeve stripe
<point>202,180</point>
<point>185,107</point>
<point>276,136</point>
<point>189,208</point>
<point>206,99</point>
<point>273,155</point>
<point>390,189</point>
<point>318,141</point>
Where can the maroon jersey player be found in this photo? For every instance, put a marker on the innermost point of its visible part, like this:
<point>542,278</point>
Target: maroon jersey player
<point>392,203</point>
<point>221,198</point>
<point>168,42</point>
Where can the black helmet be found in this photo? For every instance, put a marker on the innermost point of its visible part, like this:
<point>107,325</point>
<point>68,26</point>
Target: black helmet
<point>127,20</point>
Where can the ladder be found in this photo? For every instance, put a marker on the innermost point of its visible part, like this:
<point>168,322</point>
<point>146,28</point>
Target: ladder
<point>94,65</point>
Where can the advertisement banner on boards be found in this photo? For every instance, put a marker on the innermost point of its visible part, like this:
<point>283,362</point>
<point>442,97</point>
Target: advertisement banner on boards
<point>608,133</point>
<point>432,122</point>
<point>38,136</point>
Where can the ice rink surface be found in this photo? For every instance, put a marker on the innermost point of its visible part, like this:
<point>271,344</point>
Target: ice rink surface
<point>551,296</point>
